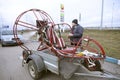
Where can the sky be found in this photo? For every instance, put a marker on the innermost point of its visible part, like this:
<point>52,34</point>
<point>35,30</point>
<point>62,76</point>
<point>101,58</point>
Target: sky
<point>90,11</point>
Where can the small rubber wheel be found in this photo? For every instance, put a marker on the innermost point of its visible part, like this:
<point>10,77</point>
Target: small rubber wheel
<point>32,69</point>
<point>97,66</point>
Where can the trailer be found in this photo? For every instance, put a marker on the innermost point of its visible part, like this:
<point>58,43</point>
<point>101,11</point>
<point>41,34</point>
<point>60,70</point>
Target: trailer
<point>54,53</point>
<point>39,61</point>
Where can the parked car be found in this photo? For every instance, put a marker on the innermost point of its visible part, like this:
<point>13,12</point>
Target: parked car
<point>7,38</point>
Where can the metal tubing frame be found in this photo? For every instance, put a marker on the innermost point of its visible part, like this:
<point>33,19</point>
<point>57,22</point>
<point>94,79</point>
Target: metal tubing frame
<point>62,53</point>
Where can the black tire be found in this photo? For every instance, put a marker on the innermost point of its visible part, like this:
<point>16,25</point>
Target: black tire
<point>97,66</point>
<point>32,69</point>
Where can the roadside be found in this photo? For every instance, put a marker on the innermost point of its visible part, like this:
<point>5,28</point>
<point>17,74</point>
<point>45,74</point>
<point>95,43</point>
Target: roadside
<point>109,39</point>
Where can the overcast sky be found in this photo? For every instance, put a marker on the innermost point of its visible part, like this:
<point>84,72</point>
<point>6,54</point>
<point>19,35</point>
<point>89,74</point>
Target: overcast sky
<point>90,10</point>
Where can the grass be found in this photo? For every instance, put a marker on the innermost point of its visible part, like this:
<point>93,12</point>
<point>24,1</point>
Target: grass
<point>109,39</point>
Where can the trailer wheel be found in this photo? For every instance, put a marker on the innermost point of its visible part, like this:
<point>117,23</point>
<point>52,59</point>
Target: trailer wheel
<point>32,69</point>
<point>97,66</point>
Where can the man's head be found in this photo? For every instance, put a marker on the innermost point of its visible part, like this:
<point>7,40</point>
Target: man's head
<point>74,22</point>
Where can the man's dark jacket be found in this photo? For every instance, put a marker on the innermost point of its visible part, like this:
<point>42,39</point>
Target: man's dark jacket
<point>77,32</point>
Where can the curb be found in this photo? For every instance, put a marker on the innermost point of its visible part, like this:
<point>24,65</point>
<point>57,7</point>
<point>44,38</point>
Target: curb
<point>112,60</point>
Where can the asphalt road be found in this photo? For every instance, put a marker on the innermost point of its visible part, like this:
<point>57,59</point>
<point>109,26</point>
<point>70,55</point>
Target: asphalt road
<point>10,64</point>
<point>11,67</point>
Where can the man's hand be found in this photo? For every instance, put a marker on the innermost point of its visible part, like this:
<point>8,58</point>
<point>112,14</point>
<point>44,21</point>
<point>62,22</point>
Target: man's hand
<point>70,34</point>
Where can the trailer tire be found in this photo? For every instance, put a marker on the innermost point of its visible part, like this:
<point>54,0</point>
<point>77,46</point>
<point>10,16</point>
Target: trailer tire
<point>32,69</point>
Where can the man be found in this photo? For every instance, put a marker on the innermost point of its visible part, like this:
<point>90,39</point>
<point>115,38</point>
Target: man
<point>76,32</point>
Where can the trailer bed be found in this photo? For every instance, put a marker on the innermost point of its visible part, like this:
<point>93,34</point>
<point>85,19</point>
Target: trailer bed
<point>70,69</point>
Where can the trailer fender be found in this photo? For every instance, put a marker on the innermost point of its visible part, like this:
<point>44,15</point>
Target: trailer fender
<point>38,60</point>
<point>25,54</point>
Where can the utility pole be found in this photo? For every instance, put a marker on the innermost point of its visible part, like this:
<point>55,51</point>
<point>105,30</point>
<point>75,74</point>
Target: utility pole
<point>112,15</point>
<point>79,17</point>
<point>101,24</point>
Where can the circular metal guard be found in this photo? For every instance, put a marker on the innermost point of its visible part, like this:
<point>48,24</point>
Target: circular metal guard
<point>28,24</point>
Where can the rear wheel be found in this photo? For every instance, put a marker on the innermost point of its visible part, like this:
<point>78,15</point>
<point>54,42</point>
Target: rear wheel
<point>32,68</point>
